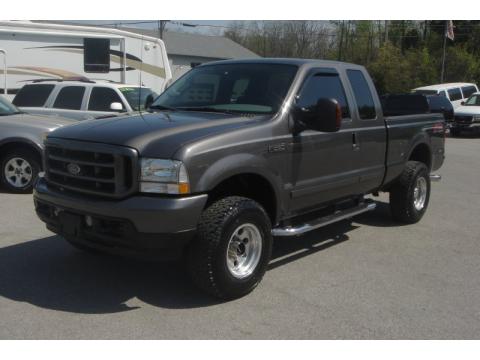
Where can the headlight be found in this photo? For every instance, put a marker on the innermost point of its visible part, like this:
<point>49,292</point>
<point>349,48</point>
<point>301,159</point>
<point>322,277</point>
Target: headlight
<point>163,176</point>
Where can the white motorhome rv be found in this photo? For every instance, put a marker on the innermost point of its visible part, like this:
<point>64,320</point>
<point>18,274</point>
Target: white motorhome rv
<point>49,51</point>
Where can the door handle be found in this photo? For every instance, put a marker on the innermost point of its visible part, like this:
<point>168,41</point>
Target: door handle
<point>355,144</point>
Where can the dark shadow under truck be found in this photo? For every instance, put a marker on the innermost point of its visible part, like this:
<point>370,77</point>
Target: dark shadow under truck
<point>231,155</point>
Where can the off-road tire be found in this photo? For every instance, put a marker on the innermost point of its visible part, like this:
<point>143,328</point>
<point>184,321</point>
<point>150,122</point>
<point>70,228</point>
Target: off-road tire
<point>206,258</point>
<point>32,158</point>
<point>402,193</point>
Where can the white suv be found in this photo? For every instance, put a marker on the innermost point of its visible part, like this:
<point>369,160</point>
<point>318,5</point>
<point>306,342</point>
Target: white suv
<point>81,99</point>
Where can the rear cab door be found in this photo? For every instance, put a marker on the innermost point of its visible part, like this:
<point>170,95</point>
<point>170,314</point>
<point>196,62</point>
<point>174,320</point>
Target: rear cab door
<point>369,134</point>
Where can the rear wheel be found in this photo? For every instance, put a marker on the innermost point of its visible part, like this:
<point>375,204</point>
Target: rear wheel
<point>19,169</point>
<point>409,197</point>
<point>232,249</point>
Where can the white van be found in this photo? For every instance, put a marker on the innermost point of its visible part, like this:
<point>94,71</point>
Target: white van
<point>455,92</point>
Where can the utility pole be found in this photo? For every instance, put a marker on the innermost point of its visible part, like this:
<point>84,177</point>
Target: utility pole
<point>386,31</point>
<point>444,53</point>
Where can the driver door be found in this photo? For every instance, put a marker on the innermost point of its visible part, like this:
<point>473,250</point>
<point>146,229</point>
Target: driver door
<point>322,166</point>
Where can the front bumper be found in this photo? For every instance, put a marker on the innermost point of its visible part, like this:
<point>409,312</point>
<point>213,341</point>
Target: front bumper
<point>145,226</point>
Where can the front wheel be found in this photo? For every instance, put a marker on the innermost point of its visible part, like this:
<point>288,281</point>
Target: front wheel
<point>19,169</point>
<point>230,254</point>
<point>410,195</point>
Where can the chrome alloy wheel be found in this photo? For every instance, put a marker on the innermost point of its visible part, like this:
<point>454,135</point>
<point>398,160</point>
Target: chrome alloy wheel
<point>18,172</point>
<point>244,250</point>
<point>420,193</point>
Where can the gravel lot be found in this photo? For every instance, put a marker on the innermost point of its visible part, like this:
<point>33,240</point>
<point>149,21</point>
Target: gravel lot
<point>366,278</point>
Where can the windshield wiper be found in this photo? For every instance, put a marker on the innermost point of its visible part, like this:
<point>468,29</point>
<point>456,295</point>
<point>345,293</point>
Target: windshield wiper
<point>162,107</point>
<point>207,109</point>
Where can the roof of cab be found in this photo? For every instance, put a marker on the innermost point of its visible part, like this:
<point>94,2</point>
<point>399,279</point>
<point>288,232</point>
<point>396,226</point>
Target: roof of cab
<point>285,61</point>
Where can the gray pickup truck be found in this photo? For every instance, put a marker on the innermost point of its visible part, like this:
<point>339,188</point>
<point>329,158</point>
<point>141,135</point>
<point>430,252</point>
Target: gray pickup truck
<point>233,154</point>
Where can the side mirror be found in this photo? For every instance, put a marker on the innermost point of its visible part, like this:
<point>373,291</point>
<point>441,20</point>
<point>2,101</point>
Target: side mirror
<point>462,103</point>
<point>116,106</point>
<point>325,116</point>
<point>148,101</point>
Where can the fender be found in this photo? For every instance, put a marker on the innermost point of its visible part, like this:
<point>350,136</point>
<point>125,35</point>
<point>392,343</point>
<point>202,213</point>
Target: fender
<point>419,139</point>
<point>24,141</point>
<point>238,164</point>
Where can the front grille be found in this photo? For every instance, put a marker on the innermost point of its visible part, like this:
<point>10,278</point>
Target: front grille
<point>463,119</point>
<point>91,168</point>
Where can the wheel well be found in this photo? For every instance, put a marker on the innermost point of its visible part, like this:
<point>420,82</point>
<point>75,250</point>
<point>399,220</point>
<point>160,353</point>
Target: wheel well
<point>422,154</point>
<point>15,145</point>
<point>252,186</point>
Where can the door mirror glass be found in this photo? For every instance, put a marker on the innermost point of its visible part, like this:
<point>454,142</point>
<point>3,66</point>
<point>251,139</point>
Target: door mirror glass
<point>325,116</point>
<point>116,106</point>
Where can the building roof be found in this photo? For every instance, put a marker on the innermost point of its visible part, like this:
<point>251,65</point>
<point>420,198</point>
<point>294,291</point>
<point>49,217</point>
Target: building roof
<point>188,44</point>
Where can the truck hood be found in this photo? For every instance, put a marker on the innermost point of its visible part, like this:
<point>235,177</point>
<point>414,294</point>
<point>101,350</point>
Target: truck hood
<point>155,134</point>
<point>467,110</point>
<point>42,122</point>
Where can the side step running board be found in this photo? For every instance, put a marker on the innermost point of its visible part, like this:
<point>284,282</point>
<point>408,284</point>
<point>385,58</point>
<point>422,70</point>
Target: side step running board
<point>365,206</point>
<point>434,177</point>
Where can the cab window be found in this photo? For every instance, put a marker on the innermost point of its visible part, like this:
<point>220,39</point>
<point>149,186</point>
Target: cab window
<point>323,86</point>
<point>70,97</point>
<point>455,94</point>
<point>363,95</point>
<point>101,98</point>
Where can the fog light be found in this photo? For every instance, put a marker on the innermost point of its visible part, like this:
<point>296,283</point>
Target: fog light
<point>88,220</point>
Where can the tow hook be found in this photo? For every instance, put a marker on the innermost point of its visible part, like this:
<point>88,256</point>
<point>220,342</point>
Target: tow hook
<point>435,178</point>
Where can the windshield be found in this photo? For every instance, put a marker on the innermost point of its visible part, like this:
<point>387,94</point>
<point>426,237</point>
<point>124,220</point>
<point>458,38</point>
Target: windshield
<point>243,88</point>
<point>6,108</point>
<point>473,100</point>
<point>137,97</point>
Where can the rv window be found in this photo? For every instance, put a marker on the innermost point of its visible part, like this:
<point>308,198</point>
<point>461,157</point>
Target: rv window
<point>101,98</point>
<point>70,97</point>
<point>96,55</point>
<point>33,95</point>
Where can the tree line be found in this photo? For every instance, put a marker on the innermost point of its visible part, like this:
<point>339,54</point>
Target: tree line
<point>400,55</point>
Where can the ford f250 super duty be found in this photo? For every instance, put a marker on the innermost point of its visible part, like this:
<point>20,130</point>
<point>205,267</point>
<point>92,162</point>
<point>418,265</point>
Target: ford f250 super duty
<point>231,155</point>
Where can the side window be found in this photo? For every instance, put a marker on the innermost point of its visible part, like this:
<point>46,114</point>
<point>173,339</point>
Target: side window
<point>96,55</point>
<point>455,94</point>
<point>101,98</point>
<point>323,86</point>
<point>363,96</point>
<point>70,97</point>
<point>442,93</point>
<point>467,91</point>
<point>33,95</point>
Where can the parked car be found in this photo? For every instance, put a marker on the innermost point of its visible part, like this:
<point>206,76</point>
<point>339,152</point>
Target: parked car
<point>235,153</point>
<point>21,145</point>
<point>455,92</point>
<point>467,116</point>
<point>82,99</point>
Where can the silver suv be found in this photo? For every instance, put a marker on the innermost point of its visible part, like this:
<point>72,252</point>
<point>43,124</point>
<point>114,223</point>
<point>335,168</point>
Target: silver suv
<point>21,145</point>
<point>82,99</point>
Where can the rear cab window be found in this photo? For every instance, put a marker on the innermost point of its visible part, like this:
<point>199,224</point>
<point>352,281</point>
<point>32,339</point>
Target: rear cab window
<point>102,97</point>
<point>70,98</point>
<point>363,95</point>
<point>34,95</point>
